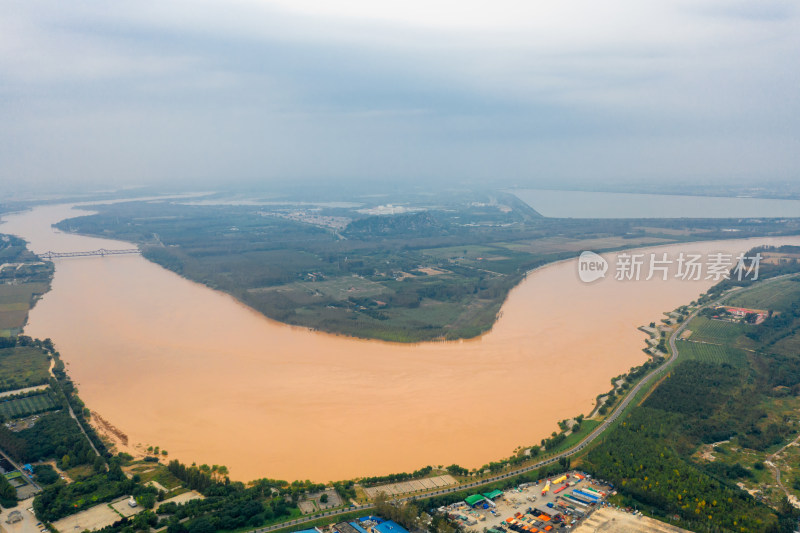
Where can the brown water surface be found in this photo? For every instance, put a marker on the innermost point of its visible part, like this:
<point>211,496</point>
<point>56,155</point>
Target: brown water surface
<point>175,364</point>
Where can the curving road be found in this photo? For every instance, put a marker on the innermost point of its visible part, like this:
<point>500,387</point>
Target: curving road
<point>591,437</point>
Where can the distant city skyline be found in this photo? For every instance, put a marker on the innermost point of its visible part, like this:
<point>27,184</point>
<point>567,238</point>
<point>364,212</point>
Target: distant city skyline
<point>209,93</point>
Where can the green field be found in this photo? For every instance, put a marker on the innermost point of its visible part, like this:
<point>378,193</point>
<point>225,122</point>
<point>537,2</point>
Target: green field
<point>587,426</point>
<point>159,473</point>
<point>23,366</point>
<point>777,296</point>
<point>469,251</point>
<point>393,310</point>
<point>20,293</point>
<point>565,244</point>
<point>711,353</point>
<point>338,288</point>
<point>15,301</point>
<point>789,345</point>
<point>21,407</point>
<point>709,330</point>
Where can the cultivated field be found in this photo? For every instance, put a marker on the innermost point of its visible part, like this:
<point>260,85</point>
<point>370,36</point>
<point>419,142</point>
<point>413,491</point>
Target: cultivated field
<point>21,407</point>
<point>788,346</point>
<point>23,366</point>
<point>775,296</point>
<point>711,353</point>
<point>338,288</point>
<point>565,244</point>
<point>709,330</point>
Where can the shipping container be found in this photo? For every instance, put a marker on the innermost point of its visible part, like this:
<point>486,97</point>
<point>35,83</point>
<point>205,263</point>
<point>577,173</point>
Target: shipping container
<point>574,501</point>
<point>592,497</point>
<point>581,499</point>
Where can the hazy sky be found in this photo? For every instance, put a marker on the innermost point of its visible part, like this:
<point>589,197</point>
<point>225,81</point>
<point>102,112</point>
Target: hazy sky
<point>139,92</point>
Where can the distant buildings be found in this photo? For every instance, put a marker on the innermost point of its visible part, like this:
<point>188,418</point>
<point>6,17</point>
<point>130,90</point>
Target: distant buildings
<point>366,524</point>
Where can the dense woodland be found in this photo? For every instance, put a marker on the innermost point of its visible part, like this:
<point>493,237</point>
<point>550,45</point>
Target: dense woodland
<point>55,436</point>
<point>648,455</point>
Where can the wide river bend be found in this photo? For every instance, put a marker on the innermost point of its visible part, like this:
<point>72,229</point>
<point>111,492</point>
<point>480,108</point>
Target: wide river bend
<point>175,364</point>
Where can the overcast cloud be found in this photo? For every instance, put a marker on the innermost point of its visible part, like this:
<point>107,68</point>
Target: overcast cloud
<point>121,93</point>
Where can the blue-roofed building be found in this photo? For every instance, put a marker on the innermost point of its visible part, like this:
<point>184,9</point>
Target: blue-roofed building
<point>312,530</point>
<point>389,526</point>
<point>349,527</point>
<point>358,527</point>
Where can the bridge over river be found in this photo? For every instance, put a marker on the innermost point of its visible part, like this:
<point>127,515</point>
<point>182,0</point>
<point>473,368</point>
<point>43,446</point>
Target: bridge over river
<point>101,252</point>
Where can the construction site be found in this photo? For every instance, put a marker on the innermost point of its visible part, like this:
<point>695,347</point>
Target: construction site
<point>565,500</point>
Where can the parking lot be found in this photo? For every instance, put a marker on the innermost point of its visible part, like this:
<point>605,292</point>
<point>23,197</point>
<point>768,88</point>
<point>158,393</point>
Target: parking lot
<point>28,522</point>
<point>525,509</point>
<point>105,514</point>
<point>96,517</point>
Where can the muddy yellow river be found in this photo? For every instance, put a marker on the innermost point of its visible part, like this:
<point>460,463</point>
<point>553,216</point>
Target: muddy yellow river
<point>172,363</point>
